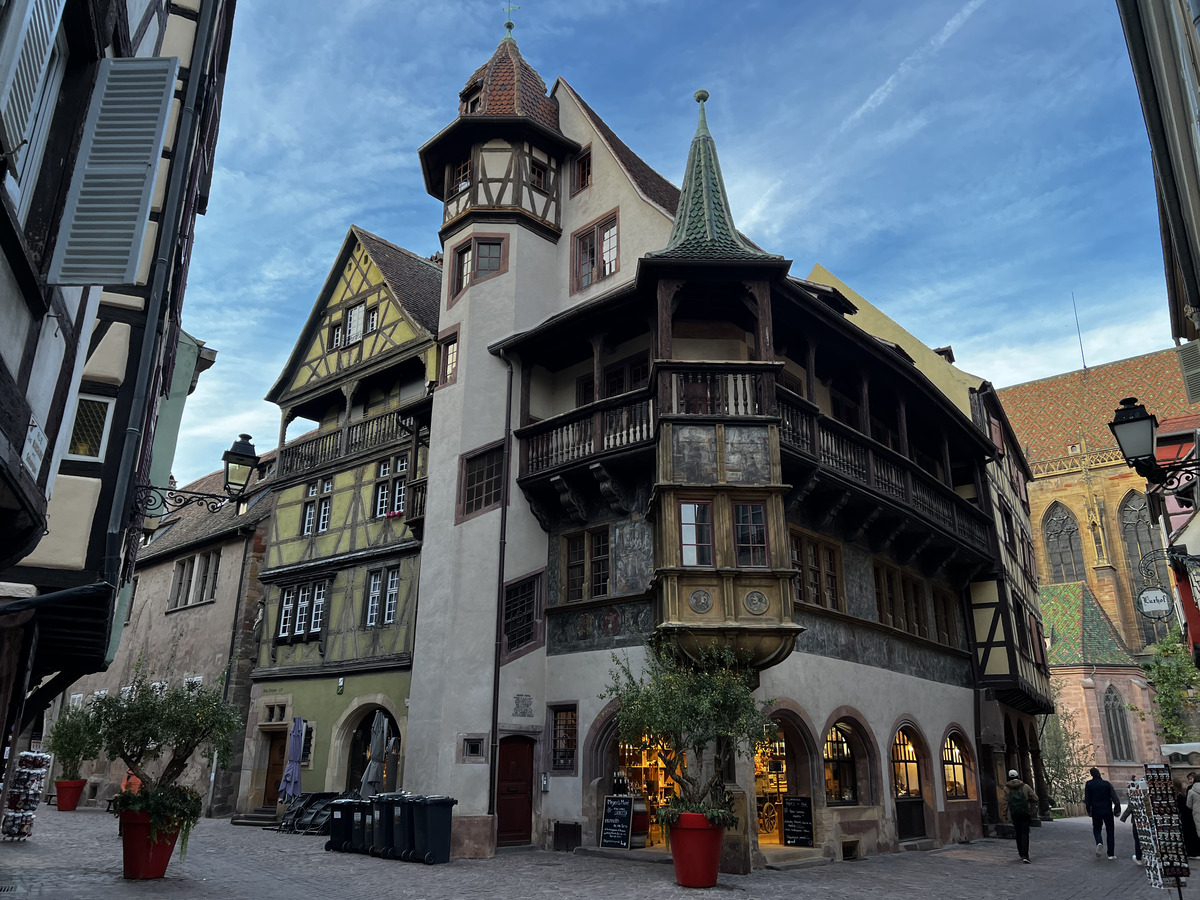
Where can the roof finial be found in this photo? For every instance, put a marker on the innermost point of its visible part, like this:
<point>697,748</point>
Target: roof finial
<point>508,24</point>
<point>702,126</point>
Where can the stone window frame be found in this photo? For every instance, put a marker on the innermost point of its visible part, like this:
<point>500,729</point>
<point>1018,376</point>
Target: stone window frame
<point>447,373</point>
<point>468,249</point>
<point>538,618</point>
<point>595,231</point>
<point>462,757</point>
<point>581,165</point>
<point>587,564</point>
<point>552,729</point>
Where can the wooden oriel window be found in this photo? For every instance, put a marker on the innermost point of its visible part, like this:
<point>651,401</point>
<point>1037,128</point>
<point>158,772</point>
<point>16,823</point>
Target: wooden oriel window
<point>696,538</point>
<point>750,534</point>
<point>460,177</point>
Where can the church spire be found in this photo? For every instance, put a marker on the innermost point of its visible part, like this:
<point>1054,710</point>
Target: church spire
<point>704,226</point>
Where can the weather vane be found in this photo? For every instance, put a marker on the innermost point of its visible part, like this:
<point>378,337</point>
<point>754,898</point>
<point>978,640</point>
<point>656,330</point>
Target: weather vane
<point>508,22</point>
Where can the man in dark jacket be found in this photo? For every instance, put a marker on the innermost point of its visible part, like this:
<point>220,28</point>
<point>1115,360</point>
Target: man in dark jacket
<point>1102,804</point>
<point>1018,805</point>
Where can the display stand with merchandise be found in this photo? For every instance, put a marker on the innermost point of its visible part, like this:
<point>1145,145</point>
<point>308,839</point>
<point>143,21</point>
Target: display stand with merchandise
<point>1156,818</point>
<point>24,795</point>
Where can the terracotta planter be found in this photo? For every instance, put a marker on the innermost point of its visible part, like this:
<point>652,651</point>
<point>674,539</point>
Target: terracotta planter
<point>696,850</point>
<point>143,859</point>
<point>66,794</point>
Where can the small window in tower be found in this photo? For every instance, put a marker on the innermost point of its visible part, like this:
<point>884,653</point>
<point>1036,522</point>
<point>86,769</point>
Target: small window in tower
<point>537,175</point>
<point>487,258</point>
<point>473,103</point>
<point>462,178</point>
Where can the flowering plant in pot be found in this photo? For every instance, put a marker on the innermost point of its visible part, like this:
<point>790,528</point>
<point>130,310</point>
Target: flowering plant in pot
<point>155,729</point>
<point>72,739</point>
<point>698,714</point>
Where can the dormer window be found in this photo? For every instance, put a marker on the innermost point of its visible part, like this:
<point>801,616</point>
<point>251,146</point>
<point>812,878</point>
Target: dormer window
<point>473,103</point>
<point>461,179</point>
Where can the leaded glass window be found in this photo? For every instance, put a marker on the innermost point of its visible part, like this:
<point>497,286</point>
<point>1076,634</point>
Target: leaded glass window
<point>1064,551</point>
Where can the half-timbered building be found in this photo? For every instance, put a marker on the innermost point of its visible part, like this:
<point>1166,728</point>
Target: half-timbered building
<point>343,553</point>
<point>650,424</point>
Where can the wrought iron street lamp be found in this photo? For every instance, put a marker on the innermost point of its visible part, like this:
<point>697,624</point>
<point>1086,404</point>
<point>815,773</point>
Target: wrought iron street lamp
<point>1136,432</point>
<point>240,460</point>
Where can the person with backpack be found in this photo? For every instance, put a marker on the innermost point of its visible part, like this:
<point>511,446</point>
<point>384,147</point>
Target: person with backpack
<point>1018,803</point>
<point>1100,800</point>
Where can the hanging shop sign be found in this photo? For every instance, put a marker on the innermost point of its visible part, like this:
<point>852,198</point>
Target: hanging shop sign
<point>1154,602</point>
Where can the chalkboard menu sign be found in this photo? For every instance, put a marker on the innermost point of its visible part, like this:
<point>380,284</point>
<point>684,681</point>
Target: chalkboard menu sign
<point>797,822</point>
<point>618,821</point>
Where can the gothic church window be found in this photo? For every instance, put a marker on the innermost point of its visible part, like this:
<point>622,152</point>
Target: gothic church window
<point>1116,723</point>
<point>1060,530</point>
<point>1142,537</point>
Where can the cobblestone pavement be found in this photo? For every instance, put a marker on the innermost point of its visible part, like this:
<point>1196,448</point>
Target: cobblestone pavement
<point>77,856</point>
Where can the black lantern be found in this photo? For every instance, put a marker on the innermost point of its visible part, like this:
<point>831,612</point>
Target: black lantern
<point>240,460</point>
<point>1135,431</point>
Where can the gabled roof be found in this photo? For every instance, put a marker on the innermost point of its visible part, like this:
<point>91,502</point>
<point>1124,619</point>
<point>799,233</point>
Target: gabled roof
<point>509,86</point>
<point>704,226</point>
<point>652,185</point>
<point>1079,630</point>
<point>413,281</point>
<point>1051,413</point>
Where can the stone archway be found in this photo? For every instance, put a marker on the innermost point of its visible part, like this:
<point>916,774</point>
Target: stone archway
<point>360,708</point>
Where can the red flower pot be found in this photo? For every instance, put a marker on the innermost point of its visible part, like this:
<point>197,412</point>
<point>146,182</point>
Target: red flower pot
<point>66,794</point>
<point>696,850</point>
<point>144,859</point>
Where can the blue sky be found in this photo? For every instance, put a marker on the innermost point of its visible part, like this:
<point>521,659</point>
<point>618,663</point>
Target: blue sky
<point>965,165</point>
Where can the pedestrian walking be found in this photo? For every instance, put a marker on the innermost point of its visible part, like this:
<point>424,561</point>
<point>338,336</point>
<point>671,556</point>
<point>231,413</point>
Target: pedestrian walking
<point>1100,800</point>
<point>1017,804</point>
<point>1137,841</point>
<point>1192,801</point>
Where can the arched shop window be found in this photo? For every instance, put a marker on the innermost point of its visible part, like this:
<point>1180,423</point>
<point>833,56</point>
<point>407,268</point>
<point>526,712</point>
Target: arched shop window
<point>1119,744</point>
<point>1064,551</point>
<point>841,779</point>
<point>906,774</point>
<point>955,768</point>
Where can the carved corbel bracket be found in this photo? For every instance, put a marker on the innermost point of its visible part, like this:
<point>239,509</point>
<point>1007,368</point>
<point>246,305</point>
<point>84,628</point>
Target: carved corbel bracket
<point>797,495</point>
<point>866,523</point>
<point>834,509</point>
<point>614,494</point>
<point>571,500</point>
<point>914,550</point>
<point>540,513</point>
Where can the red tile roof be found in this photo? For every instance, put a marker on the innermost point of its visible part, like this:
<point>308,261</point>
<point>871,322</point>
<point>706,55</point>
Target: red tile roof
<point>509,86</point>
<point>1050,414</point>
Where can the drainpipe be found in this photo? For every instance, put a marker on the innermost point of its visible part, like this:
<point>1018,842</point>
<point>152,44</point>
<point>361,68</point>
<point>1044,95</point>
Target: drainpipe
<point>119,517</point>
<point>493,757</point>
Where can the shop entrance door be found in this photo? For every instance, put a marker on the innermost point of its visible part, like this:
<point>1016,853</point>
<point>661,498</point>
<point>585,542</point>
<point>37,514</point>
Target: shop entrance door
<point>514,797</point>
<point>906,781</point>
<point>276,761</point>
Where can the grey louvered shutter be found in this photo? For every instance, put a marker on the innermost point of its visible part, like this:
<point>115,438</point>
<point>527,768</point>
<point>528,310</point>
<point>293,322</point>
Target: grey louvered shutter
<point>1189,363</point>
<point>104,221</point>
<point>25,49</point>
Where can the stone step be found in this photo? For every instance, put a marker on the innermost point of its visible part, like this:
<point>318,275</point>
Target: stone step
<point>785,859</point>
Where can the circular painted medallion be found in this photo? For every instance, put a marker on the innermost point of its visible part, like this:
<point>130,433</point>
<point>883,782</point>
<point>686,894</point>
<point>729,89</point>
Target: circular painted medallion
<point>756,602</point>
<point>700,601</point>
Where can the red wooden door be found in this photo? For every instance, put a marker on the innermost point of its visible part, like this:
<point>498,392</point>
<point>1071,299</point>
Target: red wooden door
<point>514,799</point>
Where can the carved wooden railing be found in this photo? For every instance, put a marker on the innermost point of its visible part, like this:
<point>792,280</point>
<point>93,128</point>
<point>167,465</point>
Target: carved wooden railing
<point>309,454</point>
<point>414,512</point>
<point>861,459</point>
<point>610,424</point>
<point>377,431</point>
<point>718,388</point>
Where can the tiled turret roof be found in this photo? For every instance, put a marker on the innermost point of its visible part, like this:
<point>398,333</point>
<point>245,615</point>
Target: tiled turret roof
<point>704,226</point>
<point>509,86</point>
<point>1079,630</point>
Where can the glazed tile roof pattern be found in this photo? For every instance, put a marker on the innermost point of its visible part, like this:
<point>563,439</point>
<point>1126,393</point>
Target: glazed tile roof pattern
<point>703,226</point>
<point>648,181</point>
<point>414,281</point>
<point>1079,629</point>
<point>512,87</point>
<point>1051,413</point>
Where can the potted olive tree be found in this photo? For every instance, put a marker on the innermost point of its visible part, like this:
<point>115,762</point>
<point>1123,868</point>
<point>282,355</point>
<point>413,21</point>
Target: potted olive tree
<point>155,731</point>
<point>698,715</point>
<point>72,739</point>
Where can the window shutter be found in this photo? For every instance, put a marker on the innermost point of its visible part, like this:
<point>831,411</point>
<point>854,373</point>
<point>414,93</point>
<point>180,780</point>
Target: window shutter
<point>1189,361</point>
<point>104,222</point>
<point>24,52</point>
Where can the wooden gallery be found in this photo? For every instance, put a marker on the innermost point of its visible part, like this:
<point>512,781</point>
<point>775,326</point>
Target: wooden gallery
<point>609,412</point>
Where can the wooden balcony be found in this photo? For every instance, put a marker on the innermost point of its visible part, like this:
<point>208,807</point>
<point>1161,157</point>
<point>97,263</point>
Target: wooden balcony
<point>414,511</point>
<point>864,461</point>
<point>612,424</point>
<point>383,430</point>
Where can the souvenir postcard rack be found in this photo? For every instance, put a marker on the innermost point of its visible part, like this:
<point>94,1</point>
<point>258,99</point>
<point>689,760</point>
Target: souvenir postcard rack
<point>1156,818</point>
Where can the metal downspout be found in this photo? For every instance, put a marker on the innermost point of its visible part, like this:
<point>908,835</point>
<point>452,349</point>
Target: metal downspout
<point>493,756</point>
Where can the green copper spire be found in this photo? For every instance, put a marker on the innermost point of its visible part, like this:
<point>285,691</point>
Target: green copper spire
<point>704,226</point>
